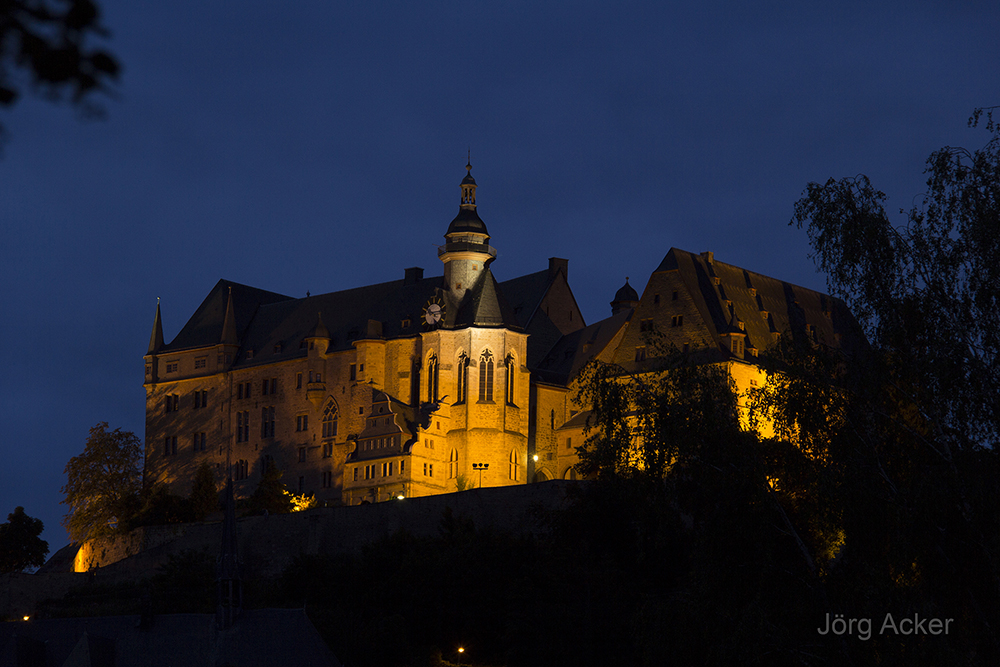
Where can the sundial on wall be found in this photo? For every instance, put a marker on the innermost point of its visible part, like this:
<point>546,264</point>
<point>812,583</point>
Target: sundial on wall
<point>434,312</point>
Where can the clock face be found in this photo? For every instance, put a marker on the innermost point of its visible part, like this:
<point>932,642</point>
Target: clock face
<point>434,311</point>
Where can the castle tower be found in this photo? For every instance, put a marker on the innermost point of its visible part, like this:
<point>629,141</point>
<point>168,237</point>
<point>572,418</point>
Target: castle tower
<point>467,252</point>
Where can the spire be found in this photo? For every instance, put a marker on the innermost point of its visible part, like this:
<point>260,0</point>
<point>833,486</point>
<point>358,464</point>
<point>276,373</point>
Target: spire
<point>227,570</point>
<point>229,323</point>
<point>156,338</point>
<point>468,219</point>
<point>320,330</point>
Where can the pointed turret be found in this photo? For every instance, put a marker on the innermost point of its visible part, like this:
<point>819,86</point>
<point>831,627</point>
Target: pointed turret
<point>467,252</point>
<point>229,323</point>
<point>156,338</point>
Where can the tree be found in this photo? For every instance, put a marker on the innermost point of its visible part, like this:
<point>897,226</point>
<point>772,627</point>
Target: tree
<point>103,483</point>
<point>204,498</point>
<point>905,433</point>
<point>270,494</point>
<point>44,41</point>
<point>20,544</point>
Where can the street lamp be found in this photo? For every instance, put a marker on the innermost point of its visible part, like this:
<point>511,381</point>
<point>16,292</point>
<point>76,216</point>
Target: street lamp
<point>480,467</point>
<point>461,650</point>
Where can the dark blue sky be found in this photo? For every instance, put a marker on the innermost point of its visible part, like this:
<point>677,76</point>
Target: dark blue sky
<point>319,146</point>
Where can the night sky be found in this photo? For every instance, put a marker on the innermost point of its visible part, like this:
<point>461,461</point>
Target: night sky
<point>319,146</point>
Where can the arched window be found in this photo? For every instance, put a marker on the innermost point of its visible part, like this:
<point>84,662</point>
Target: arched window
<point>432,379</point>
<point>463,378</point>
<point>453,464</point>
<point>330,419</point>
<point>486,377</point>
<point>509,377</point>
<point>570,473</point>
<point>513,470</point>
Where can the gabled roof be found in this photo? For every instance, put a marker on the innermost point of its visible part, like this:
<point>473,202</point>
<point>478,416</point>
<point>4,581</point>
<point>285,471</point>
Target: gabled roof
<point>730,295</point>
<point>206,325</point>
<point>526,293</point>
<point>575,350</point>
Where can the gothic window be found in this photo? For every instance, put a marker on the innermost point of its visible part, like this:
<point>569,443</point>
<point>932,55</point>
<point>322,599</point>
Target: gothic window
<point>453,464</point>
<point>486,377</point>
<point>330,419</point>
<point>432,379</point>
<point>510,379</point>
<point>463,379</point>
<point>514,468</point>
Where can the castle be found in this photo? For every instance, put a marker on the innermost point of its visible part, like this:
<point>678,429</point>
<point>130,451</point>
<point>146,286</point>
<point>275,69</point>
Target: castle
<point>423,386</point>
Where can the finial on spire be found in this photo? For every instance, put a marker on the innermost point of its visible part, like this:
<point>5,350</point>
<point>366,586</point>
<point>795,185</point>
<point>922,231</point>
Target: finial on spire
<point>468,165</point>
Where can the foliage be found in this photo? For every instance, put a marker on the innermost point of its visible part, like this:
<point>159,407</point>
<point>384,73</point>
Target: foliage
<point>204,498</point>
<point>645,424</point>
<point>103,483</point>
<point>43,45</point>
<point>20,544</point>
<point>301,502</point>
<point>464,483</point>
<point>159,507</point>
<point>270,494</point>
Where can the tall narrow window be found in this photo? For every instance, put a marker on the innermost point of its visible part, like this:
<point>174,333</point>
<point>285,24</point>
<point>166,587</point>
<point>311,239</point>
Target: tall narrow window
<point>463,379</point>
<point>453,464</point>
<point>509,378</point>
<point>513,468</point>
<point>486,377</point>
<point>432,379</point>
<point>330,420</point>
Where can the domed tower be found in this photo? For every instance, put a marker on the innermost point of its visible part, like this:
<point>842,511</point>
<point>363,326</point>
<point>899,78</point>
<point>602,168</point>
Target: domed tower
<point>626,297</point>
<point>467,251</point>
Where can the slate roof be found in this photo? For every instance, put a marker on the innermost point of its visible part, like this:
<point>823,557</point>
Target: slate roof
<point>526,293</point>
<point>260,638</point>
<point>765,305</point>
<point>467,220</point>
<point>206,325</point>
<point>626,293</point>
<point>273,325</point>
<point>575,350</point>
<point>485,306</point>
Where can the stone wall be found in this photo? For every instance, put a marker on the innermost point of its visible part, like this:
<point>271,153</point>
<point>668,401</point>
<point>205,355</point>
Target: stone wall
<point>267,544</point>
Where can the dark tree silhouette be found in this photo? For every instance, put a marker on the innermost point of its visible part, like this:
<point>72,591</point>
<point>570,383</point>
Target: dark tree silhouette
<point>44,46</point>
<point>20,544</point>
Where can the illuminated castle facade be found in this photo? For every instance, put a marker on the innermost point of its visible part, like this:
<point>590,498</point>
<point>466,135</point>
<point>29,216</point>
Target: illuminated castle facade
<point>422,386</point>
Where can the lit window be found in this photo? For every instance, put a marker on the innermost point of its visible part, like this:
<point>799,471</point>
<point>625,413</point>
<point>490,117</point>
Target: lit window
<point>486,377</point>
<point>432,379</point>
<point>463,379</point>
<point>510,377</point>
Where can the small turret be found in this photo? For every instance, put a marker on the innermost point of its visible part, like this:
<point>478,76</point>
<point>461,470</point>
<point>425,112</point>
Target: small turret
<point>625,297</point>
